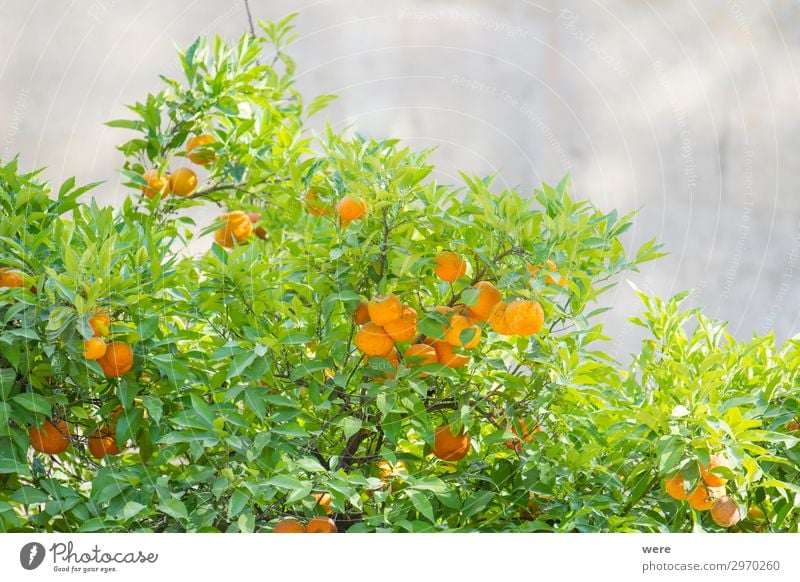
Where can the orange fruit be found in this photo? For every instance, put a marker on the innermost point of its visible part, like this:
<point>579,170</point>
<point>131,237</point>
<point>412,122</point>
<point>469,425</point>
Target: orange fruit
<point>117,360</point>
<point>314,206</point>
<point>404,328</point>
<point>156,185</point>
<point>100,323</point>
<point>725,512</point>
<point>551,265</point>
<point>675,489</point>
<point>11,278</point>
<point>700,499</point>
<point>237,228</point>
<point>51,438</point>
<point>755,513</point>
<point>324,501</point>
<point>183,182</point>
<point>388,471</point>
<point>103,442</point>
<point>384,309</point>
<point>289,525</point>
<point>321,525</point>
<point>393,358</point>
<point>420,355</point>
<point>350,209</point>
<point>499,322</point>
<point>361,314</point>
<point>373,340</point>
<point>709,478</point>
<point>448,446</point>
<point>449,266</point>
<point>487,301</point>
<point>527,435</point>
<point>446,356</point>
<point>458,325</point>
<point>792,426</point>
<point>94,348</point>
<point>204,155</point>
<point>524,317</point>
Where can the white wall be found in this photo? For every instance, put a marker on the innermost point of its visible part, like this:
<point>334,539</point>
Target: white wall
<point>687,109</point>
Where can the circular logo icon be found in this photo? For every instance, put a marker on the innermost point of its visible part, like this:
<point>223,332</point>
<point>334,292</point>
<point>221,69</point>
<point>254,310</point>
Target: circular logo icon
<point>31,555</point>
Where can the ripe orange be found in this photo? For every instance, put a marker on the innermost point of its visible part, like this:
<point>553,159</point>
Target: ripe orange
<point>314,206</point>
<point>448,446</point>
<point>527,434</point>
<point>488,300</point>
<point>373,340</point>
<point>117,360</point>
<point>100,323</point>
<point>289,525</point>
<point>552,267</point>
<point>701,499</point>
<point>404,328</point>
<point>725,512</point>
<point>350,209</point>
<point>393,358</point>
<point>203,155</point>
<point>237,228</point>
<point>709,478</point>
<point>449,266</point>
<point>445,354</point>
<point>384,309</point>
<point>499,322</point>
<point>755,513</point>
<point>103,442</point>
<point>361,314</point>
<point>51,438</point>
<point>321,525</point>
<point>156,185</point>
<point>94,348</point>
<point>183,182</point>
<point>458,325</point>
<point>675,489</point>
<point>324,501</point>
<point>420,355</point>
<point>524,317</point>
<point>11,278</point>
<point>388,471</point>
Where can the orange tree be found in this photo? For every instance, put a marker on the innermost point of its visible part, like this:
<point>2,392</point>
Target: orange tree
<point>358,348</point>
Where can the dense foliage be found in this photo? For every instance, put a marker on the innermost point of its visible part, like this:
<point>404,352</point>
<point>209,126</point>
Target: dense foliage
<point>247,394</point>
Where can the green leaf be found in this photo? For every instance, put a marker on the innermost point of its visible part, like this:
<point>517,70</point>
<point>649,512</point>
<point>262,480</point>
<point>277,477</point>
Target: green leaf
<point>351,426</point>
<point>36,403</point>
<point>8,378</point>
<point>669,452</point>
<point>237,503</point>
<point>174,508</point>
<point>421,503</point>
<point>132,509</point>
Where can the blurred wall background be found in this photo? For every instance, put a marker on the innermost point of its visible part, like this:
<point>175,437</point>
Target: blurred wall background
<point>688,110</point>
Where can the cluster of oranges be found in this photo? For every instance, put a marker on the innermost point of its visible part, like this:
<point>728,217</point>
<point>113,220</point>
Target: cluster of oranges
<point>315,525</point>
<point>709,493</point>
<point>54,436</point>
<point>115,358</point>
<point>348,208</point>
<point>183,181</point>
<point>237,228</point>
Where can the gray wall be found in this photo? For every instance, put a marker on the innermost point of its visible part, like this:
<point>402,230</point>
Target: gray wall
<point>687,110</point>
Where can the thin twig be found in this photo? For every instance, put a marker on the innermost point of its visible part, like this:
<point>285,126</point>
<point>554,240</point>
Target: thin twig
<point>249,17</point>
